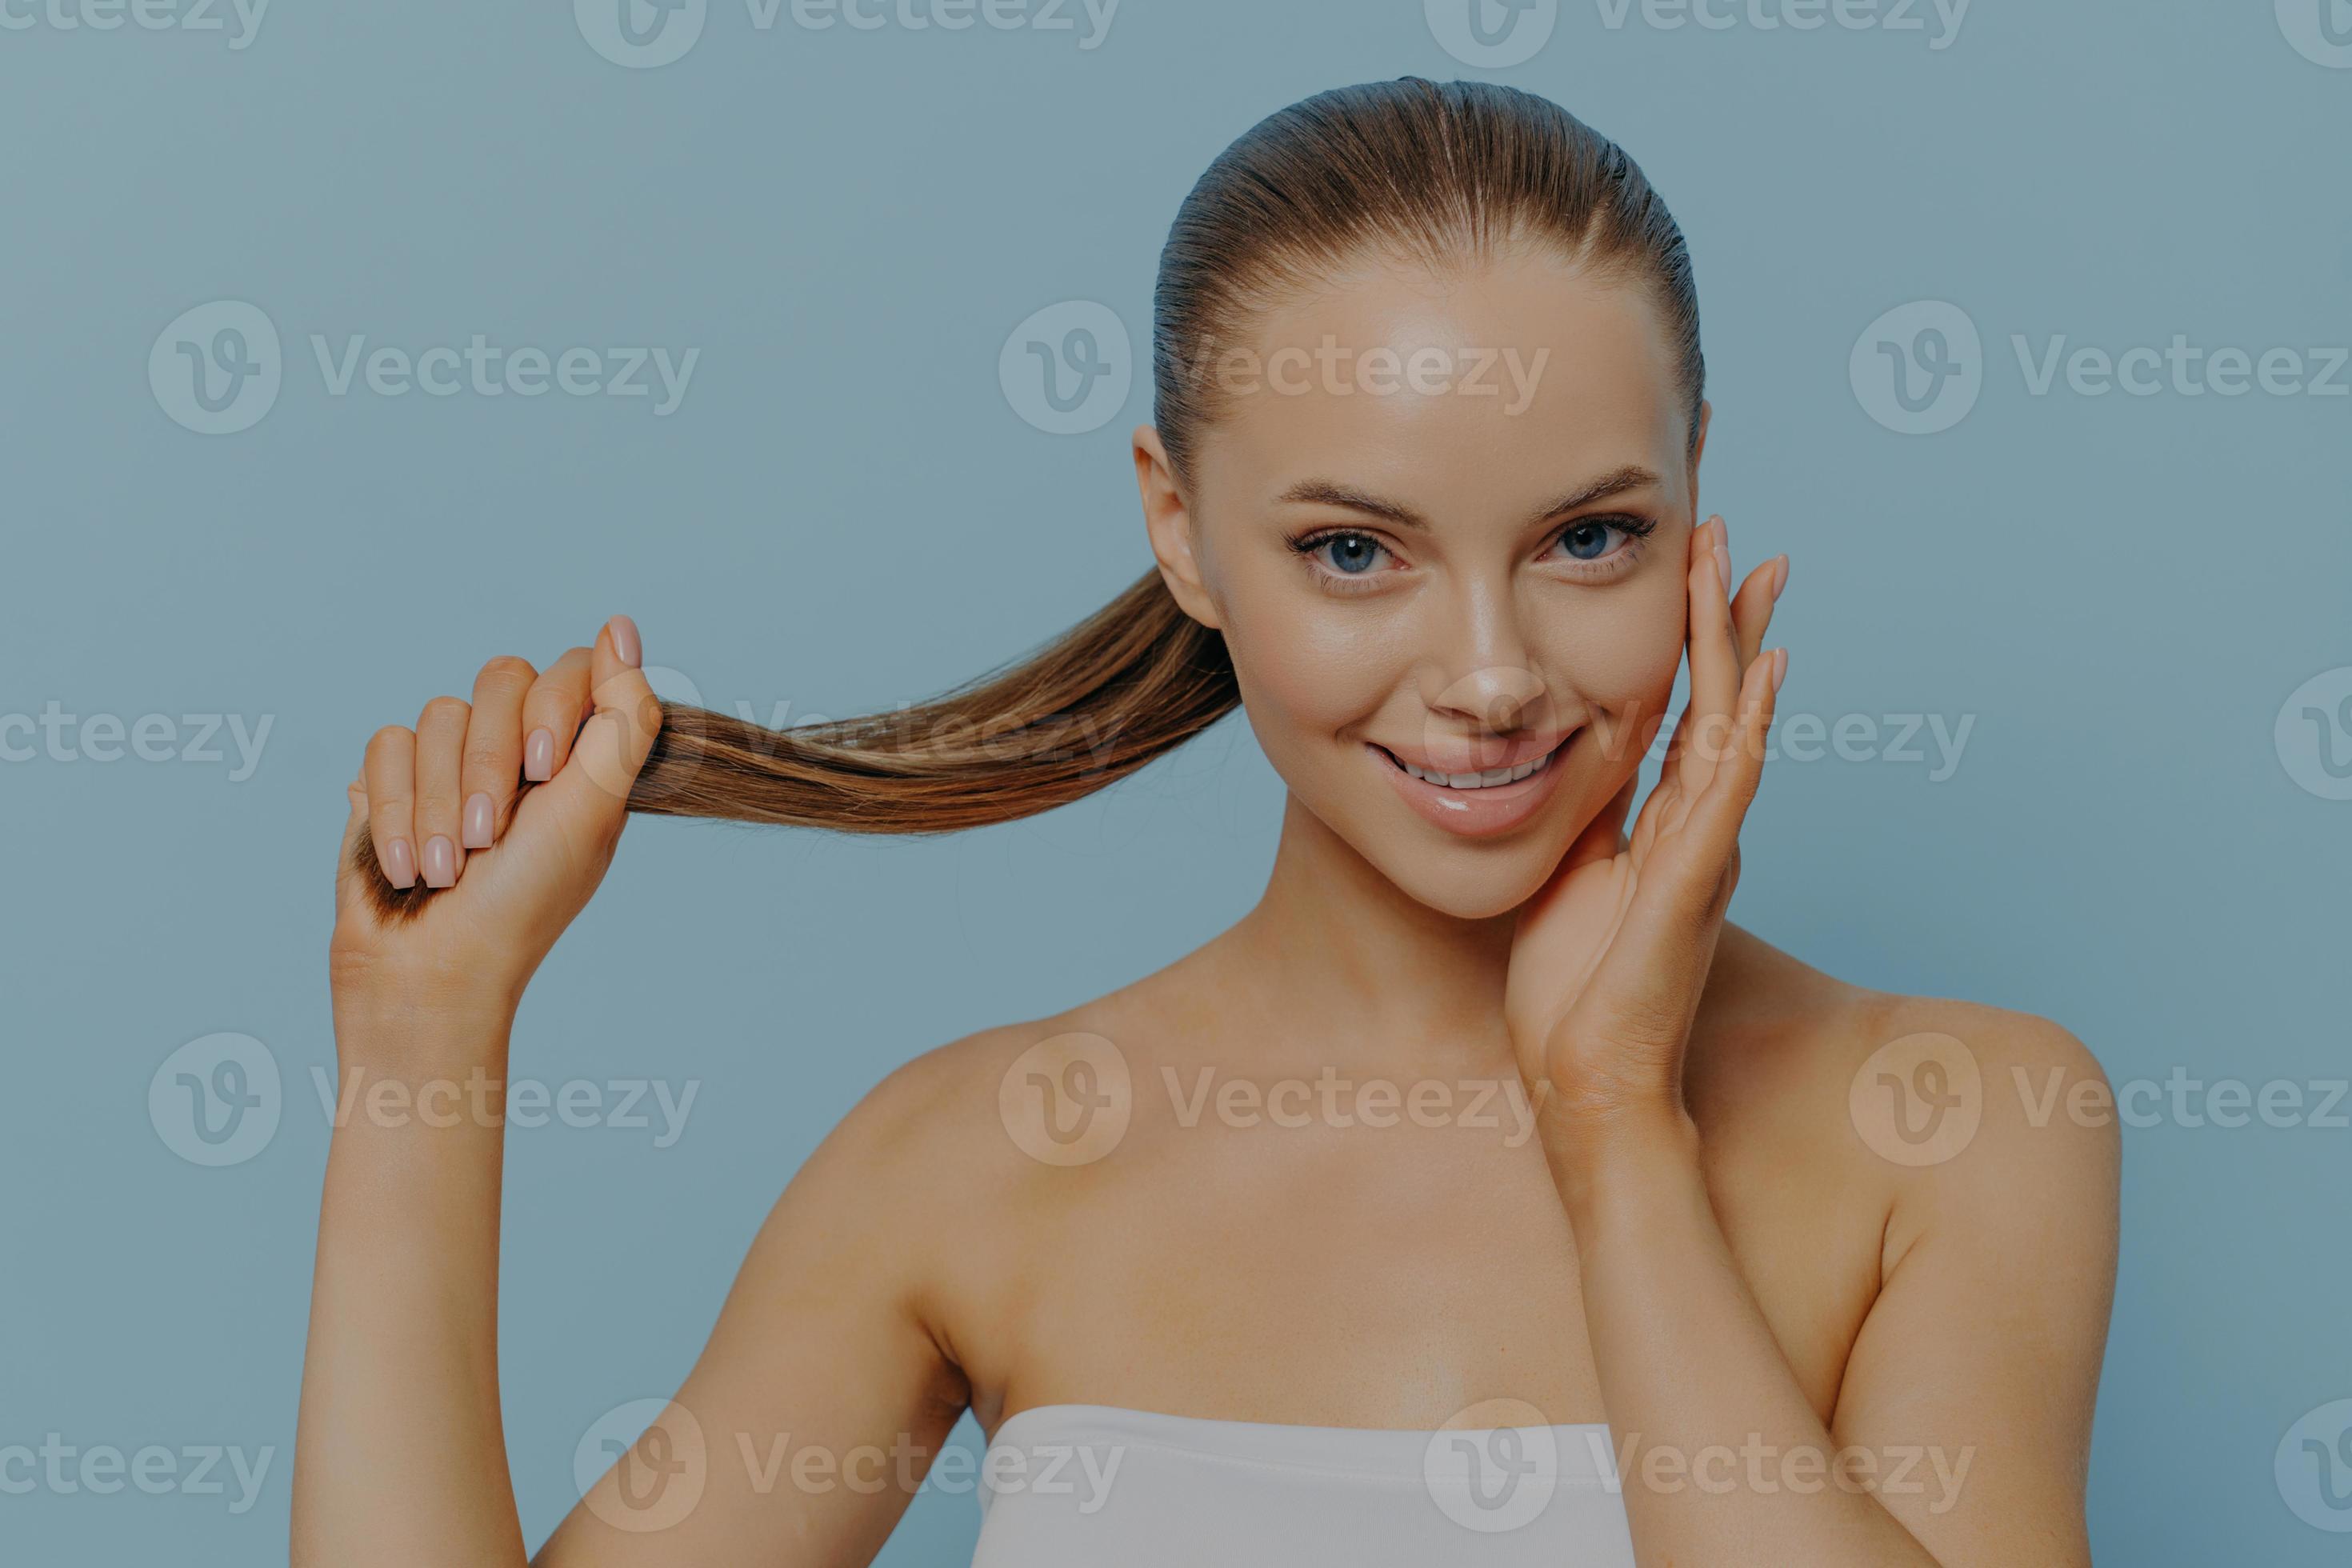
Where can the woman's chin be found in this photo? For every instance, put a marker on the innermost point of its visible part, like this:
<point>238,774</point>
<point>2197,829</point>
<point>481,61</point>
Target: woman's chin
<point>1473,884</point>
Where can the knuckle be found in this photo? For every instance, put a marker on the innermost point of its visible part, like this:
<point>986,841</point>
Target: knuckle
<point>504,676</point>
<point>447,709</point>
<point>388,741</point>
<point>560,676</point>
<point>491,755</point>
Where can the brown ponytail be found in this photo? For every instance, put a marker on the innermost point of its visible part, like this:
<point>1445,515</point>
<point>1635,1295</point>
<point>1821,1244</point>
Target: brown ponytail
<point>1439,173</point>
<point>1135,678</point>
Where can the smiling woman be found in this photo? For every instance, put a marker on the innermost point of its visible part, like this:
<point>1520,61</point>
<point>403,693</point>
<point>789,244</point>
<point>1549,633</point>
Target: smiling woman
<point>1455,619</point>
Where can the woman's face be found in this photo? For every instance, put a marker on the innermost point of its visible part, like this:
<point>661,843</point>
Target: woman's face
<point>1444,525</point>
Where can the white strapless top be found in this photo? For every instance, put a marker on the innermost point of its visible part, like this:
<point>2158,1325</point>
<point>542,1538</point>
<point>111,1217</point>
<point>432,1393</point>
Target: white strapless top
<point>1087,1486</point>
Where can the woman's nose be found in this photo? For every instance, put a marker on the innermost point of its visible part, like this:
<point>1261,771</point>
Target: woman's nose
<point>1481,671</point>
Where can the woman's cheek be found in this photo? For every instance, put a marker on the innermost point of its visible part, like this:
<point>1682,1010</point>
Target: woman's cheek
<point>1317,678</point>
<point>1624,661</point>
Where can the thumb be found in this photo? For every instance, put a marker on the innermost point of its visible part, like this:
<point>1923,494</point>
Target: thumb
<point>614,743</point>
<point>355,855</point>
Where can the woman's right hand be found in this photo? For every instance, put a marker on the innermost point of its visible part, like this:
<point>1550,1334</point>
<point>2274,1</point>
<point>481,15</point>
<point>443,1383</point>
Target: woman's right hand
<point>477,836</point>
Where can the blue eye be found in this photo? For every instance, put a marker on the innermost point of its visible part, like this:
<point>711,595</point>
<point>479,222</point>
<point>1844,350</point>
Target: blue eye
<point>1587,540</point>
<point>1350,555</point>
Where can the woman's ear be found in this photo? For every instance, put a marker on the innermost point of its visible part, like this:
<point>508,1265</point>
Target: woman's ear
<point>1169,520</point>
<point>1698,448</point>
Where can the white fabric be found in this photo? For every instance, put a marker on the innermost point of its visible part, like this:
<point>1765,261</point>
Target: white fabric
<point>1087,1486</point>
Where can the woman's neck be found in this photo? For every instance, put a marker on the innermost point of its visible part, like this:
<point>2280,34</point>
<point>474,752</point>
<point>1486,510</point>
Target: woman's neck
<point>1333,946</point>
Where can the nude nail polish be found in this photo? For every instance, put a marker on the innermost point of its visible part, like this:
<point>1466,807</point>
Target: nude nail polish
<point>440,862</point>
<point>400,864</point>
<point>625,640</point>
<point>538,756</point>
<point>1779,668</point>
<point>481,821</point>
<point>1781,579</point>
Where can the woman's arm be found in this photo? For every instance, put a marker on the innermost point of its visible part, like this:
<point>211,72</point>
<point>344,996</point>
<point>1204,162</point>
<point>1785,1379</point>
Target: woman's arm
<point>821,1397</point>
<point>1962,1428</point>
<point>1981,1352</point>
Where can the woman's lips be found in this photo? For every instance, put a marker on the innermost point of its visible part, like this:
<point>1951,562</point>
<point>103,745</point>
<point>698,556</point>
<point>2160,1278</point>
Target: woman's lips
<point>1475,813</point>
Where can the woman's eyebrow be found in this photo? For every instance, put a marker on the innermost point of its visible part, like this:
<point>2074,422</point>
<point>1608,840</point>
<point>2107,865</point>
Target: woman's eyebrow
<point>1329,492</point>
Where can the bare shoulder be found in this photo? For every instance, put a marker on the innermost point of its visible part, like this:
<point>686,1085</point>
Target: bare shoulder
<point>964,1141</point>
<point>942,1117</point>
<point>1945,1107</point>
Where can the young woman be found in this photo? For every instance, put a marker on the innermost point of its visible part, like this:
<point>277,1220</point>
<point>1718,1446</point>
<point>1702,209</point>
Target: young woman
<point>1545,1224</point>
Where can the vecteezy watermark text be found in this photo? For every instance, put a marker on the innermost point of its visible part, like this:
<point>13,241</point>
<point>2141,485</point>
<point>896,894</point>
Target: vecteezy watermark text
<point>218,1099</point>
<point>239,19</point>
<point>1920,369</point>
<point>219,369</point>
<point>659,1461</point>
<point>101,1470</point>
<point>644,34</point>
<point>1334,370</point>
<point>59,736</point>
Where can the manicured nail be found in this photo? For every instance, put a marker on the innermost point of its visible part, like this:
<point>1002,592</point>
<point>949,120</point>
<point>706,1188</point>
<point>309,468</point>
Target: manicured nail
<point>1781,580</point>
<point>400,864</point>
<point>625,640</point>
<point>1723,566</point>
<point>440,862</point>
<point>481,821</point>
<point>538,756</point>
<point>1779,668</point>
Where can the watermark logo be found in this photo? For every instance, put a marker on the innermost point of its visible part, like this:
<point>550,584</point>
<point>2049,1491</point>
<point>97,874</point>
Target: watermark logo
<point>62,737</point>
<point>1492,34</point>
<point>217,1100</point>
<point>1067,1100</point>
<point>2314,1467</point>
<point>2320,30</point>
<point>644,34</point>
<point>1917,1100</point>
<point>2183,1101</point>
<point>657,1106</point>
<point>1919,368</point>
<point>1890,16</point>
<point>641,34</point>
<point>1332,368</point>
<point>1766,1469</point>
<point>217,368</point>
<point>1494,1466</point>
<point>197,1469</point>
<point>1498,1105</point>
<point>240,19</point>
<point>1069,368</point>
<point>2314,734</point>
<point>655,1450</point>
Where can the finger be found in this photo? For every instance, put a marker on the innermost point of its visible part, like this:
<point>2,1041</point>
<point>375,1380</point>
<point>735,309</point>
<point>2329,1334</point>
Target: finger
<point>391,775</point>
<point>1751,608</point>
<point>1600,840</point>
<point>1714,639</point>
<point>551,713</point>
<point>348,887</point>
<point>614,745</point>
<point>1669,934</point>
<point>1714,655</point>
<point>440,756</point>
<point>492,775</point>
<point>1716,820</point>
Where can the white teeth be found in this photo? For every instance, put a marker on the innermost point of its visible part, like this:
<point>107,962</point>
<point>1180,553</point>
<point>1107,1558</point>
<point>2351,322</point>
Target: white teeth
<point>1486,779</point>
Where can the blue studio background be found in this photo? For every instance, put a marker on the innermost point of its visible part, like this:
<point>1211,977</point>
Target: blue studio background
<point>2136,598</point>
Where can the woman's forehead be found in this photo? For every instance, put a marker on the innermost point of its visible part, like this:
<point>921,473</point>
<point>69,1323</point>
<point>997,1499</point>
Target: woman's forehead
<point>1519,376</point>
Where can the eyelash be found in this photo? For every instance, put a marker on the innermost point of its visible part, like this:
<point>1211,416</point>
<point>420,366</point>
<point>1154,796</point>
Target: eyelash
<point>1634,530</point>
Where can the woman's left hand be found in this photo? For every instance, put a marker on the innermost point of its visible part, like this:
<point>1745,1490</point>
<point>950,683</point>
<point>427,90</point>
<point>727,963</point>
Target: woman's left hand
<point>1612,954</point>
